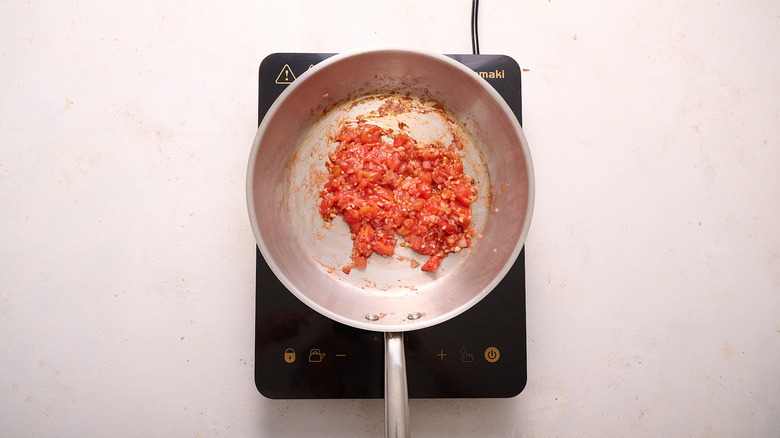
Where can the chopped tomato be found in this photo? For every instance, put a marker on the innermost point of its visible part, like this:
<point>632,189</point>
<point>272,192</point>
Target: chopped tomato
<point>383,248</point>
<point>431,264</point>
<point>463,194</point>
<point>416,191</point>
<point>351,216</point>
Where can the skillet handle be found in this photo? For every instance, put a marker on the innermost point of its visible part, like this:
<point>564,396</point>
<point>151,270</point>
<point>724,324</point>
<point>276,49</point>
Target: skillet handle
<point>396,394</point>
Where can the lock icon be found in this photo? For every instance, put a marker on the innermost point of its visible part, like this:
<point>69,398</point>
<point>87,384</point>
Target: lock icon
<point>289,355</point>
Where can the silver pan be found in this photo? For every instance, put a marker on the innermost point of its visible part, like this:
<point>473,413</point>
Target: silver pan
<point>432,98</point>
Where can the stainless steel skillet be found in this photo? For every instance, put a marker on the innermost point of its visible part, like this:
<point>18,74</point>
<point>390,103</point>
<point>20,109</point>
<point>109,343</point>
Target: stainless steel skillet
<point>432,98</point>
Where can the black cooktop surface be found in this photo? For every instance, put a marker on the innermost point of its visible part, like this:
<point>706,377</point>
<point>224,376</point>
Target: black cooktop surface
<point>302,354</point>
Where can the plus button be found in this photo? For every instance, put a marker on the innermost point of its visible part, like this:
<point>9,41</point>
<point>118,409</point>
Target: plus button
<point>441,354</point>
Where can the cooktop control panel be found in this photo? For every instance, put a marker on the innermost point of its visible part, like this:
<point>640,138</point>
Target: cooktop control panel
<point>302,354</point>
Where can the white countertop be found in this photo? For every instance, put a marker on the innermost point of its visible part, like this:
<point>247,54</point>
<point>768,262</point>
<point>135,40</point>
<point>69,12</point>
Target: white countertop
<point>127,268</point>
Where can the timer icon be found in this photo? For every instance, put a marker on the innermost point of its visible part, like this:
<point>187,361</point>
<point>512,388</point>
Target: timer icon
<point>492,354</point>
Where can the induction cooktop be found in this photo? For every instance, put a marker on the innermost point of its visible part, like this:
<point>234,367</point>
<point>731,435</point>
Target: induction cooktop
<point>300,354</point>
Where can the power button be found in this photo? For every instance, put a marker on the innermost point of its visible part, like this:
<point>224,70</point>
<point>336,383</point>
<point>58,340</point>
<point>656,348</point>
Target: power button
<point>492,354</point>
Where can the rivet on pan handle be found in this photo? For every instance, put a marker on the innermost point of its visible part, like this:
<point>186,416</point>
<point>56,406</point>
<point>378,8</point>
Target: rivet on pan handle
<point>396,394</point>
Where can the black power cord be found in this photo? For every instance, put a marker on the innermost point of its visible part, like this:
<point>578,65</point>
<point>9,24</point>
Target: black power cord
<point>474,33</point>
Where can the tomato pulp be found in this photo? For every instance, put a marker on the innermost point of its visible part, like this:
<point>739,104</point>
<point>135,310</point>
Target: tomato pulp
<point>387,185</point>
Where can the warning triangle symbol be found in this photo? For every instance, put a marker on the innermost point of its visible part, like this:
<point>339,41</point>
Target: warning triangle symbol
<point>286,76</point>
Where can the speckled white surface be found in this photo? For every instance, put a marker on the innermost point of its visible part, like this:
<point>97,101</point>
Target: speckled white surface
<point>127,260</point>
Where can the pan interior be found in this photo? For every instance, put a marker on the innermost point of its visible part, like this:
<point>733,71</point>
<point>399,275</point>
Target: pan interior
<point>329,242</point>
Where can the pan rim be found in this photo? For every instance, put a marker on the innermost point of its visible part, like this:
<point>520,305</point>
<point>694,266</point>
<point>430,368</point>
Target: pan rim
<point>379,325</point>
